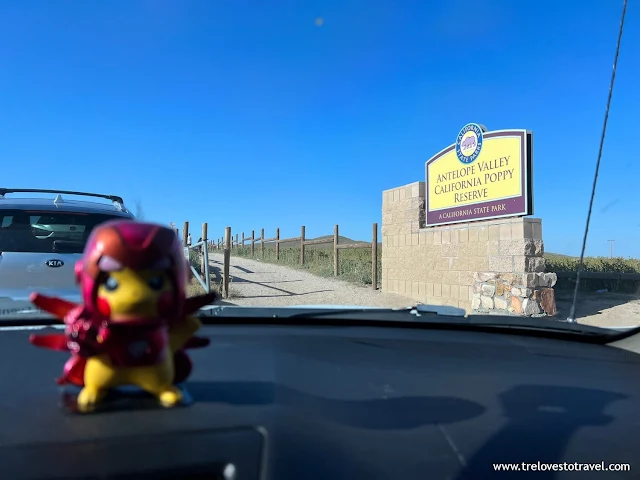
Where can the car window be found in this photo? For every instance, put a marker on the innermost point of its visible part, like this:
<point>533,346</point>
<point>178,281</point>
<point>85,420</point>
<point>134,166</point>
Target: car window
<point>47,232</point>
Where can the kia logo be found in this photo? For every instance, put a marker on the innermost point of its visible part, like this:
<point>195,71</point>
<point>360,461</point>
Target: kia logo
<point>54,263</point>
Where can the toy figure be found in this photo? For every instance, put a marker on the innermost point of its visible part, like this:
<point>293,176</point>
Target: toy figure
<point>135,320</point>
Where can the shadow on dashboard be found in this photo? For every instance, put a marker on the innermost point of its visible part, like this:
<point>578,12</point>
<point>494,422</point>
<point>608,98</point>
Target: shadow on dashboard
<point>378,414</point>
<point>541,420</point>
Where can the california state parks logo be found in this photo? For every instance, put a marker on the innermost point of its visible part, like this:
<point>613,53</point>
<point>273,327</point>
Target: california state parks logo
<point>469,143</point>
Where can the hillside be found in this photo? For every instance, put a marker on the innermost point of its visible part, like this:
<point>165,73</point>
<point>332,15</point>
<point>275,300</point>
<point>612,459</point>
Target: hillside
<point>328,245</point>
<point>345,240</point>
<point>558,255</point>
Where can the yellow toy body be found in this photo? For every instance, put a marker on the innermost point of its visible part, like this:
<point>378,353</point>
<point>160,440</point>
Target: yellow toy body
<point>100,375</point>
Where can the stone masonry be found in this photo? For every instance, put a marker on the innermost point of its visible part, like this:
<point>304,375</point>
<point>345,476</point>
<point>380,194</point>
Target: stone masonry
<point>440,265</point>
<point>521,294</point>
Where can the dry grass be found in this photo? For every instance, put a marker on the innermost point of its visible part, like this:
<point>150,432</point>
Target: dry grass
<point>565,263</point>
<point>354,264</point>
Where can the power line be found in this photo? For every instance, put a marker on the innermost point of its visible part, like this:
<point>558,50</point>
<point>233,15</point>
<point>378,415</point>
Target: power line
<point>610,248</point>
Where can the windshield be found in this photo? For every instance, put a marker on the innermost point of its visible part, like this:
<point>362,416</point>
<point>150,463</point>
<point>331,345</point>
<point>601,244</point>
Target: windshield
<point>476,155</point>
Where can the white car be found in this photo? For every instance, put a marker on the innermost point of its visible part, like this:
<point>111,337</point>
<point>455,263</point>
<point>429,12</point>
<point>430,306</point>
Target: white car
<point>42,238</point>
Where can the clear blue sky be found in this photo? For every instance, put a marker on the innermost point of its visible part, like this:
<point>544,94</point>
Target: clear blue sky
<point>240,114</point>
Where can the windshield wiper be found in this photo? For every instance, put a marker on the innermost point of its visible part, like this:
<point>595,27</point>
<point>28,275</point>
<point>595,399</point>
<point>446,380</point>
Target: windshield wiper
<point>422,314</point>
<point>416,311</point>
<point>435,314</point>
<point>302,312</point>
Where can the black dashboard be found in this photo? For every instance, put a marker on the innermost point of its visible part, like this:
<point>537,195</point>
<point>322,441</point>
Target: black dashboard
<point>311,402</point>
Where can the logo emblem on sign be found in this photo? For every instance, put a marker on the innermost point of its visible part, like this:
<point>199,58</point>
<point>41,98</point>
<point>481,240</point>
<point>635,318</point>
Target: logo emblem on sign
<point>54,263</point>
<point>469,143</point>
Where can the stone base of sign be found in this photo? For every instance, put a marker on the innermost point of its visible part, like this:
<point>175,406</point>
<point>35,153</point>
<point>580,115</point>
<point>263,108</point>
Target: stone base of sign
<point>443,265</point>
<point>526,294</point>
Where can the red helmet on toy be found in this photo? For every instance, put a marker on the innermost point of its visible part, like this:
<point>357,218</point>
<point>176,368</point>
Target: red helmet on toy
<point>137,245</point>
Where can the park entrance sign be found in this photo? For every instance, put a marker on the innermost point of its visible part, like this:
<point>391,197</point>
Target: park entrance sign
<point>483,175</point>
<point>464,237</point>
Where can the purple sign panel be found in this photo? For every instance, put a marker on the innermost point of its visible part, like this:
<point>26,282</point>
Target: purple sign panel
<point>483,175</point>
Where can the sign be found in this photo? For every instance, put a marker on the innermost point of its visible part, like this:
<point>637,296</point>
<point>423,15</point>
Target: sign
<point>482,175</point>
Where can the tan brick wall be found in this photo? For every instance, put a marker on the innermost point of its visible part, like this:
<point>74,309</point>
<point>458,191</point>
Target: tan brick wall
<point>436,265</point>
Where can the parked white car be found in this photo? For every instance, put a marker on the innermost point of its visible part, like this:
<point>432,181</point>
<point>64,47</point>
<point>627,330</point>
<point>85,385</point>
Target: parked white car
<point>42,238</point>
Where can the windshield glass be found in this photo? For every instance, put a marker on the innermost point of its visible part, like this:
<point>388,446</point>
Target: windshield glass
<point>381,154</point>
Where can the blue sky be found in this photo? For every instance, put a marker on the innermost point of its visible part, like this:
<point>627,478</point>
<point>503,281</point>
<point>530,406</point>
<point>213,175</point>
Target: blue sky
<point>248,114</point>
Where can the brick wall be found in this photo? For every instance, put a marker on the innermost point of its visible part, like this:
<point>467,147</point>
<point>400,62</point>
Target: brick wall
<point>437,265</point>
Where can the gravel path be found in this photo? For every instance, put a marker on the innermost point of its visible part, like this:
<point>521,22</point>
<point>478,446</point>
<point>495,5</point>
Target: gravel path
<point>613,310</point>
<point>254,283</point>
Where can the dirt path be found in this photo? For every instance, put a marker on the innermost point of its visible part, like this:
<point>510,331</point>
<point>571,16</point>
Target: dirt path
<point>601,309</point>
<point>254,283</point>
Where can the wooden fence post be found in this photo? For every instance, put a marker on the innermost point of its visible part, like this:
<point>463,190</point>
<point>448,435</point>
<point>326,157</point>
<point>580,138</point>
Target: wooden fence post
<point>242,239</point>
<point>374,256</point>
<point>253,241</point>
<point>262,242</point>
<point>204,245</point>
<point>335,251</point>
<point>185,233</point>
<point>277,244</point>
<point>302,245</point>
<point>227,261</point>
<point>237,241</point>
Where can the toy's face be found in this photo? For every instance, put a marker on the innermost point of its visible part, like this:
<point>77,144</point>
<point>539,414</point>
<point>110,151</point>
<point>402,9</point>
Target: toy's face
<point>128,294</point>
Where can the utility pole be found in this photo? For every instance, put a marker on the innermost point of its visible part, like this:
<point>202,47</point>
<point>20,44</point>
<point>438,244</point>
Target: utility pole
<point>610,248</point>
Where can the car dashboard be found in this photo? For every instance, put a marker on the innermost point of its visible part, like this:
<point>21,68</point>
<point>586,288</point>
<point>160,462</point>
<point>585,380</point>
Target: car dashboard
<point>319,402</point>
